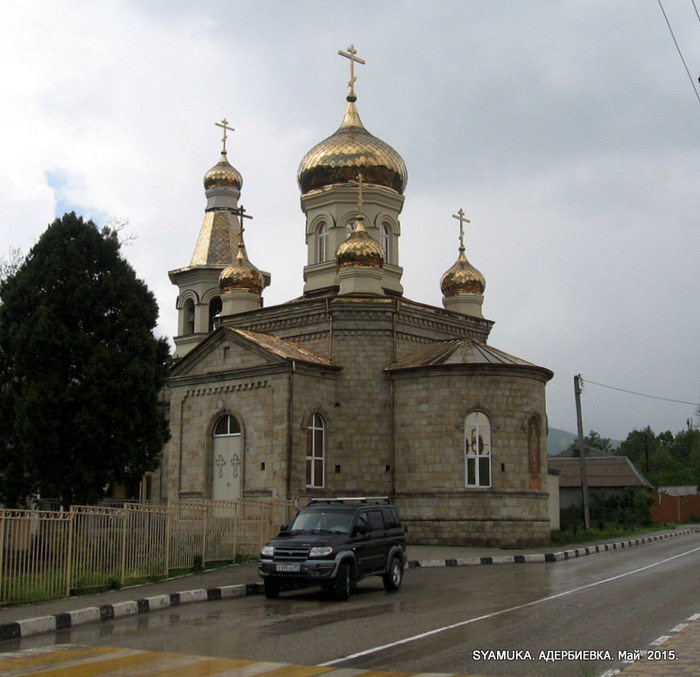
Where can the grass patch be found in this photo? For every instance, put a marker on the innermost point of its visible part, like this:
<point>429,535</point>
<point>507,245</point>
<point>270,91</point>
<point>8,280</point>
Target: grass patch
<point>607,533</point>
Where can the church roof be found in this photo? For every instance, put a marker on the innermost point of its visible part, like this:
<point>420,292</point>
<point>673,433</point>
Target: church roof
<point>283,348</point>
<point>460,351</point>
<point>608,471</point>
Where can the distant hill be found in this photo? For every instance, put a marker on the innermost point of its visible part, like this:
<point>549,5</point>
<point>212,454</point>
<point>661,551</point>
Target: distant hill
<point>558,440</point>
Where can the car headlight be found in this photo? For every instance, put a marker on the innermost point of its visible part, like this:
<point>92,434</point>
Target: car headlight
<point>320,551</point>
<point>267,551</point>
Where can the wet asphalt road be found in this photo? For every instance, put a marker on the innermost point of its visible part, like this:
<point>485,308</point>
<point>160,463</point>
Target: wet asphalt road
<point>443,619</point>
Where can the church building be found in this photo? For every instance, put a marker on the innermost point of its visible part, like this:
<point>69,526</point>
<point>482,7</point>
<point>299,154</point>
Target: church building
<point>352,389</point>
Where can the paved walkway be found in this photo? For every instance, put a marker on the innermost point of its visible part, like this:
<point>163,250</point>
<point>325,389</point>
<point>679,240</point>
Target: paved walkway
<point>681,645</point>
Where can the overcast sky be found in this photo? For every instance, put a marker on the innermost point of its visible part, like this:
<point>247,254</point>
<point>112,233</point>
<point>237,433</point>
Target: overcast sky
<point>568,131</point>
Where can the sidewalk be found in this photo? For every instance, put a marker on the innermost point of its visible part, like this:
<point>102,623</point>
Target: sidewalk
<point>242,579</point>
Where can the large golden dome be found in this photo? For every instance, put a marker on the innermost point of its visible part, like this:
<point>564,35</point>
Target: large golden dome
<point>359,250</point>
<point>223,174</point>
<point>462,278</point>
<point>350,150</point>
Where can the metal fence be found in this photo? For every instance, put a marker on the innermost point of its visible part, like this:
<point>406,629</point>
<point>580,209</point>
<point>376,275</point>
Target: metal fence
<point>48,554</point>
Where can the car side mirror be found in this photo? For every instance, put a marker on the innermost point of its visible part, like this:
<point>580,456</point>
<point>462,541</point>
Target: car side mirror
<point>361,530</point>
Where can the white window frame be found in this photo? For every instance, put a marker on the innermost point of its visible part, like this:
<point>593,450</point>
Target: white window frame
<point>315,457</point>
<point>477,450</point>
<point>322,235</point>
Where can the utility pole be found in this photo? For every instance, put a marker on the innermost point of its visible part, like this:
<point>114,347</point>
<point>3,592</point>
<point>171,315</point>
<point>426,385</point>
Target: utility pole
<point>582,453</point>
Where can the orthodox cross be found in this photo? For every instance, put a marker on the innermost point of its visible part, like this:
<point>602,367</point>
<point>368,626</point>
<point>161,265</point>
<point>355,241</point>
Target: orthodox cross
<point>224,124</point>
<point>358,183</point>
<point>235,462</point>
<point>461,217</point>
<point>241,213</point>
<point>220,463</point>
<point>351,54</point>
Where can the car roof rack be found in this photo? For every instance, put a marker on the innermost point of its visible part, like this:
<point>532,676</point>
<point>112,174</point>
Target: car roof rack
<point>369,500</point>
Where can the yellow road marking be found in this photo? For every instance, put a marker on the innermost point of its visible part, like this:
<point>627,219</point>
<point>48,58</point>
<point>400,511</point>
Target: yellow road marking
<point>101,667</point>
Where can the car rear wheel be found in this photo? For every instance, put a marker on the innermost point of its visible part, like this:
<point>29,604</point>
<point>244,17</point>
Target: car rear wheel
<point>392,578</point>
<point>341,587</point>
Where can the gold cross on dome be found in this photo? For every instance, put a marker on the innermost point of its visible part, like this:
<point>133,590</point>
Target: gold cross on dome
<point>360,202</point>
<point>462,218</point>
<point>351,54</point>
<point>224,124</point>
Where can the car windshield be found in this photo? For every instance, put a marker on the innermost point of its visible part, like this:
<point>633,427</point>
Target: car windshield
<point>318,520</point>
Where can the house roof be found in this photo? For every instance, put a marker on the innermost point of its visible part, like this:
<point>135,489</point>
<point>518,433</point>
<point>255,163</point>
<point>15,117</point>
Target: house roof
<point>601,471</point>
<point>461,351</point>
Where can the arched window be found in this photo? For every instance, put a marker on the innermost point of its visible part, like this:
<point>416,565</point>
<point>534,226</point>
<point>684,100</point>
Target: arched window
<point>315,451</point>
<point>385,241</point>
<point>188,313</point>
<point>322,243</point>
<point>215,308</point>
<point>477,450</point>
<point>227,425</point>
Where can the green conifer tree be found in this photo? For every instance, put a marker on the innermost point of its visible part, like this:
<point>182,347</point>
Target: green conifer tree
<point>80,369</point>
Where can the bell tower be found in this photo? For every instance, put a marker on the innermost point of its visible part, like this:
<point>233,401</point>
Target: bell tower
<point>199,301</point>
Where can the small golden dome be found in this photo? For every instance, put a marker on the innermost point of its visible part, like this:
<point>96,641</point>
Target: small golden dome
<point>223,174</point>
<point>462,278</point>
<point>352,149</point>
<point>241,274</point>
<point>359,250</point>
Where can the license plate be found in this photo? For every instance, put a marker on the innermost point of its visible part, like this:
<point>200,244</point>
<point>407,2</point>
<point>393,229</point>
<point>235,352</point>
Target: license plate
<point>287,568</point>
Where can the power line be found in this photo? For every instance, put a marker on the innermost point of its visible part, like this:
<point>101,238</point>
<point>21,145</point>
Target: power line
<point>678,49</point>
<point>652,397</point>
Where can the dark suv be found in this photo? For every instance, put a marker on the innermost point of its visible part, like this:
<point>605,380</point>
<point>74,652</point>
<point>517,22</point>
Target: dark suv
<point>334,543</point>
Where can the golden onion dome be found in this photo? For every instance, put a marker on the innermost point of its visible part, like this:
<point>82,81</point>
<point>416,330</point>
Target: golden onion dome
<point>350,150</point>
<point>223,174</point>
<point>359,250</point>
<point>462,278</point>
<point>241,274</point>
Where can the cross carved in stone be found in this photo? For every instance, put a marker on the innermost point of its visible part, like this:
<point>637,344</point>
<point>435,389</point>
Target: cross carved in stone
<point>235,463</point>
<point>220,463</point>
<point>461,217</point>
<point>352,55</point>
<point>224,124</point>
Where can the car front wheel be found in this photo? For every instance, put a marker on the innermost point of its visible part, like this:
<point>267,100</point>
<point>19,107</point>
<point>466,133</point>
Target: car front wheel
<point>392,578</point>
<point>341,587</point>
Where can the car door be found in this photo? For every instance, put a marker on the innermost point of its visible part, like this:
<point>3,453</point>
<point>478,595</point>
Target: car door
<point>378,540</point>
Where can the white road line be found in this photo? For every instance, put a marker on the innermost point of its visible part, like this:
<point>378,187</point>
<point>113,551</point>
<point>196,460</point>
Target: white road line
<point>494,614</point>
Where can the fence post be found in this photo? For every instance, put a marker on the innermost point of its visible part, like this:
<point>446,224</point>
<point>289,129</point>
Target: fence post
<point>205,534</point>
<point>2,555</point>
<point>69,553</point>
<point>122,567</point>
<point>235,528</point>
<point>168,527</point>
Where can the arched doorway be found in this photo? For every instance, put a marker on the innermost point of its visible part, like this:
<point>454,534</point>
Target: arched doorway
<point>227,460</point>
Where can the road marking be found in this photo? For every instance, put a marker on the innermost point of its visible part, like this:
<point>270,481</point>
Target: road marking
<point>494,614</point>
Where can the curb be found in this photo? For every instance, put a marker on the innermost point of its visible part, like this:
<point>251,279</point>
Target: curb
<point>106,612</point>
<point>544,557</point>
<point>35,626</point>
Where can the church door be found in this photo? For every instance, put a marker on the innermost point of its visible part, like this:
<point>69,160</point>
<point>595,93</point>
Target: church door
<point>227,460</point>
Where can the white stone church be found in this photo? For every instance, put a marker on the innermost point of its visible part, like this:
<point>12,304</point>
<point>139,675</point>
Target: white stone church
<point>352,388</point>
